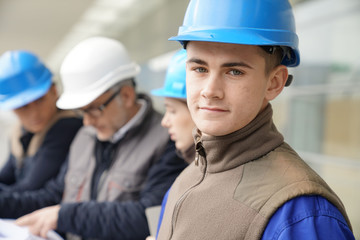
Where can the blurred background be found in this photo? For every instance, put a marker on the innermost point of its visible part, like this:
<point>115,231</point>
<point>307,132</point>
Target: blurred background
<point>319,114</point>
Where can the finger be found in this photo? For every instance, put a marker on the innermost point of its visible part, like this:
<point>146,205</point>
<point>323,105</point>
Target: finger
<point>24,220</point>
<point>48,225</point>
<point>44,231</point>
<point>36,227</point>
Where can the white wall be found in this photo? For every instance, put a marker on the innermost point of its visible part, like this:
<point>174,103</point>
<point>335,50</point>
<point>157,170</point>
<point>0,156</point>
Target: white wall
<point>7,120</point>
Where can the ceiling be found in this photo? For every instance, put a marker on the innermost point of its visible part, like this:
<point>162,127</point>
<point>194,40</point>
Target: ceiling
<point>38,25</point>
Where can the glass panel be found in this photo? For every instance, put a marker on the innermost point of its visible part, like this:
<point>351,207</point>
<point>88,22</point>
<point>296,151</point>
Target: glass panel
<point>319,114</point>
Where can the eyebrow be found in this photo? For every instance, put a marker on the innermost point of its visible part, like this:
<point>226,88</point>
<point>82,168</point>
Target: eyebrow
<point>197,60</point>
<point>236,64</point>
<point>230,64</point>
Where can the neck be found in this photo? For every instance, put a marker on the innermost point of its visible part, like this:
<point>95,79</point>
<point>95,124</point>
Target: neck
<point>188,154</point>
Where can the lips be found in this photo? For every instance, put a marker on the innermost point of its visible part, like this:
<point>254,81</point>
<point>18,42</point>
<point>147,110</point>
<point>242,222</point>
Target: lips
<point>172,137</point>
<point>36,122</point>
<point>100,128</point>
<point>212,109</point>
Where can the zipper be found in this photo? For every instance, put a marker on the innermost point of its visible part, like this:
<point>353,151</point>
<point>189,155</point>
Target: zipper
<point>200,154</point>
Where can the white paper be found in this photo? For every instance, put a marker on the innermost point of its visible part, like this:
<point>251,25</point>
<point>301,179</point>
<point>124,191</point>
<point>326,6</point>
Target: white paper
<point>152,215</point>
<point>9,230</point>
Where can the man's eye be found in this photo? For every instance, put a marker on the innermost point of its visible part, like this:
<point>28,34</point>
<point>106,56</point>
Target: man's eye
<point>200,70</point>
<point>169,110</point>
<point>235,72</point>
<point>40,99</point>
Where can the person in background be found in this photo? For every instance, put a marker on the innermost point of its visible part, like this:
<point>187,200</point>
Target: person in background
<point>177,117</point>
<point>246,182</point>
<point>121,162</point>
<point>40,141</point>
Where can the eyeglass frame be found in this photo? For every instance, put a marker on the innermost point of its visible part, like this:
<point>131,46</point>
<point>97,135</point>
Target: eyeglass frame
<point>96,112</point>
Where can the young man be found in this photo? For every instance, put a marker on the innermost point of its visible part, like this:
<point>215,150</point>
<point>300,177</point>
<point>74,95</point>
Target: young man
<point>120,162</point>
<point>245,182</point>
<point>40,141</point>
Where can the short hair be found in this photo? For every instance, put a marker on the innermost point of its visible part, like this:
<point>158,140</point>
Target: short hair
<point>273,56</point>
<point>126,82</point>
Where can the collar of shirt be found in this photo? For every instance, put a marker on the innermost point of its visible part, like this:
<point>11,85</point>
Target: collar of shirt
<point>123,130</point>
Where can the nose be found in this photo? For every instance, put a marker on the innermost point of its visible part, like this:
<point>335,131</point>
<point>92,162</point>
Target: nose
<point>165,121</point>
<point>213,87</point>
<point>32,109</point>
<point>88,120</point>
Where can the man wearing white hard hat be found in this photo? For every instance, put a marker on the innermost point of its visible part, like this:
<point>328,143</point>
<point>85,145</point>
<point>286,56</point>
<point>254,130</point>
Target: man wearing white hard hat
<point>121,162</point>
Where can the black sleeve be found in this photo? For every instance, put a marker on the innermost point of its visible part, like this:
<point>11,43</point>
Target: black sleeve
<point>17,204</point>
<point>52,153</point>
<point>7,173</point>
<point>123,220</point>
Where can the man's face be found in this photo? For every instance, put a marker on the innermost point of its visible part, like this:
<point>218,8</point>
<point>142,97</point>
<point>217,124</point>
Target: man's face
<point>36,115</point>
<point>226,86</point>
<point>112,118</point>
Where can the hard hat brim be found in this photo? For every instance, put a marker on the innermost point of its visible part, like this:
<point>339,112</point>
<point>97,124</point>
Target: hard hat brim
<point>78,100</point>
<point>161,92</point>
<point>246,36</point>
<point>25,97</point>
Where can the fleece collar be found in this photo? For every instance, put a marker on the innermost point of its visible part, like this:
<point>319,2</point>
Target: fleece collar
<point>221,153</point>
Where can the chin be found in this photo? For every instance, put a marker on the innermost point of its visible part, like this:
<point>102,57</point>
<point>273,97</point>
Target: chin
<point>103,137</point>
<point>214,132</point>
<point>35,129</point>
<point>179,147</point>
<point>217,127</point>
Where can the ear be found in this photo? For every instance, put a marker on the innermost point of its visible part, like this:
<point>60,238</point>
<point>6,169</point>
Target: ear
<point>128,95</point>
<point>276,82</point>
<point>53,90</point>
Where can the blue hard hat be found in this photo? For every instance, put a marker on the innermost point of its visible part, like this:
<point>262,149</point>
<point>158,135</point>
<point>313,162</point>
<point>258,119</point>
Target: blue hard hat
<point>23,79</point>
<point>251,22</point>
<point>175,80</point>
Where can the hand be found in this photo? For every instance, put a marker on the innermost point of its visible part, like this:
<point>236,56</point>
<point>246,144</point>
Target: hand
<point>41,221</point>
<point>150,238</point>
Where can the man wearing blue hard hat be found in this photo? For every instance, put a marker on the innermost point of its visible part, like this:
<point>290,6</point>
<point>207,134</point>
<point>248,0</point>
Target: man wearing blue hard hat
<point>41,140</point>
<point>245,181</point>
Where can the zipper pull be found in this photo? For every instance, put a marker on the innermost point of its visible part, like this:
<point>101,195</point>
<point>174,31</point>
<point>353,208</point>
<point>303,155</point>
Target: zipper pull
<point>197,159</point>
<point>200,151</point>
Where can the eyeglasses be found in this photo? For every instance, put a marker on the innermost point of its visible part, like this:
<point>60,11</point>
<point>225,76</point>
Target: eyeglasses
<point>96,112</point>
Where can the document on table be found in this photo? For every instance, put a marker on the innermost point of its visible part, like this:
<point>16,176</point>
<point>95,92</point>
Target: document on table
<point>9,230</point>
<point>152,215</point>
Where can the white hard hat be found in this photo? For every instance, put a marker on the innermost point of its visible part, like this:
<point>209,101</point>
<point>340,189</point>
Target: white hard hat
<point>91,68</point>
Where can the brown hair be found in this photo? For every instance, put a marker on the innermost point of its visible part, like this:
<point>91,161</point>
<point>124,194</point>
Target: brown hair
<point>273,56</point>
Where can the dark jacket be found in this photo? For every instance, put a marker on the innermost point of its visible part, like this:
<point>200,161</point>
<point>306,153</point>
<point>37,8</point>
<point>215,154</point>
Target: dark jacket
<point>36,158</point>
<point>123,219</point>
<point>17,204</point>
<point>115,220</point>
